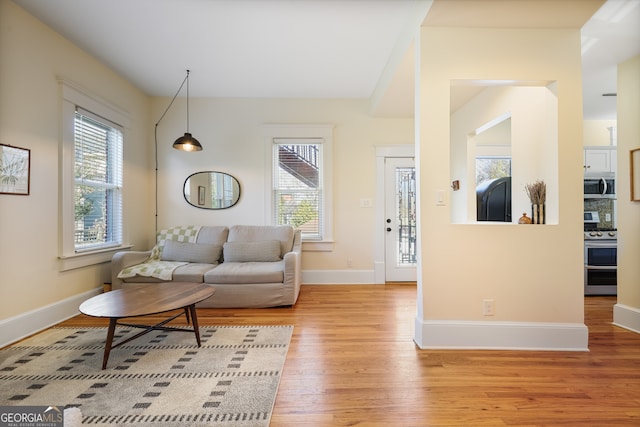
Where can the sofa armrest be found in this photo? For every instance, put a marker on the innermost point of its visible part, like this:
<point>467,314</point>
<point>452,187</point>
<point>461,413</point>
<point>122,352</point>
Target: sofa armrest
<point>123,260</point>
<point>293,267</point>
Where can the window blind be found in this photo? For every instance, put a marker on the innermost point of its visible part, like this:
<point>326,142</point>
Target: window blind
<point>98,152</point>
<point>298,185</point>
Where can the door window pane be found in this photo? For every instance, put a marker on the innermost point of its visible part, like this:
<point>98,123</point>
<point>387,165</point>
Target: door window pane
<point>406,215</point>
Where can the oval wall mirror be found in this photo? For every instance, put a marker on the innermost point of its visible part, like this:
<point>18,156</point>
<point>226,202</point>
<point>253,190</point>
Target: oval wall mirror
<point>211,190</point>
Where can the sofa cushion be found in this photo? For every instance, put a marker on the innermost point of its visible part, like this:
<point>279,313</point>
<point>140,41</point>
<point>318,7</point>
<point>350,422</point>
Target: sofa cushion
<point>192,272</point>
<point>246,272</point>
<point>261,251</point>
<point>213,235</point>
<point>190,252</point>
<point>258,233</point>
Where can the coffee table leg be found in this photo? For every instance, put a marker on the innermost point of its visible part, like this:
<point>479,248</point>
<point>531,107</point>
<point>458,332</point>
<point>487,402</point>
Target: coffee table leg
<point>107,345</point>
<point>194,321</point>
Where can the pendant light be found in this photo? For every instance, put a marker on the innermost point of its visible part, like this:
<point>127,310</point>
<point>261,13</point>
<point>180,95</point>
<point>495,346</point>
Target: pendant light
<point>184,143</point>
<point>187,142</point>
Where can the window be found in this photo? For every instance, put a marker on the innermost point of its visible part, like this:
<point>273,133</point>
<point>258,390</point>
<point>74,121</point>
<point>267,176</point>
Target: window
<point>491,168</point>
<point>298,171</point>
<point>97,192</point>
<point>297,185</point>
<point>91,177</point>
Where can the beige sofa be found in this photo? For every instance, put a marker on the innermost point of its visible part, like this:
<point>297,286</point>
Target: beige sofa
<point>248,265</point>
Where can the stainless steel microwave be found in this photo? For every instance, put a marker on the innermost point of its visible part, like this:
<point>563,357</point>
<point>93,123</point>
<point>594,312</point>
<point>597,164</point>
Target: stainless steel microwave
<point>600,187</point>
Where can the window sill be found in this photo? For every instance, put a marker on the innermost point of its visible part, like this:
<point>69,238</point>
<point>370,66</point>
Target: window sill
<point>84,259</point>
<point>317,246</point>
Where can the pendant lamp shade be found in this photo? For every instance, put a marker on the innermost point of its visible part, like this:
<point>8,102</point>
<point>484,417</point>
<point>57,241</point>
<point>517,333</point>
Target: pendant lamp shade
<point>187,143</point>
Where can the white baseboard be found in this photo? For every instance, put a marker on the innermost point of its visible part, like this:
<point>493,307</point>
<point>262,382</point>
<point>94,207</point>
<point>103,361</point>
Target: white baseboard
<point>626,317</point>
<point>337,277</point>
<point>379,272</point>
<point>441,334</point>
<point>16,328</point>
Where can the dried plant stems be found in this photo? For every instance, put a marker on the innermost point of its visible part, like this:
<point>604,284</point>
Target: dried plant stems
<point>537,192</point>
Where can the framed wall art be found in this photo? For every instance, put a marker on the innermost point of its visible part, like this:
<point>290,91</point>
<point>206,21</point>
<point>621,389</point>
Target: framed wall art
<point>634,163</point>
<point>15,169</point>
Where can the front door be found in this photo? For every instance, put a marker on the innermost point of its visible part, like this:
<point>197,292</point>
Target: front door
<point>400,219</point>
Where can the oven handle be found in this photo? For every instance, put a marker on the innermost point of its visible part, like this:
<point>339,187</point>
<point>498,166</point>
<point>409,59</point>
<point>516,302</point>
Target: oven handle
<point>601,244</point>
<point>600,267</point>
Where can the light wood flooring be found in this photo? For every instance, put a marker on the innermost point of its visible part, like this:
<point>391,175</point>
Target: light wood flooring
<point>352,362</point>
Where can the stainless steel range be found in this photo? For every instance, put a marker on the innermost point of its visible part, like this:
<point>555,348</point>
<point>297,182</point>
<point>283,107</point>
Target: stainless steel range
<point>600,258</point>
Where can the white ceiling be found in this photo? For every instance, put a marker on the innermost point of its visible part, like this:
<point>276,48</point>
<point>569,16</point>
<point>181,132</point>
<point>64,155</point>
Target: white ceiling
<point>237,48</point>
<point>317,48</point>
<point>610,37</point>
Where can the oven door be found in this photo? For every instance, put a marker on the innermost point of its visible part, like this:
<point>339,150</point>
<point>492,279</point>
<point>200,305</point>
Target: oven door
<point>600,267</point>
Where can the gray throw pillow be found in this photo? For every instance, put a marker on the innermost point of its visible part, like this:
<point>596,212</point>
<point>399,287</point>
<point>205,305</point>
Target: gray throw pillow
<point>190,252</point>
<point>261,251</point>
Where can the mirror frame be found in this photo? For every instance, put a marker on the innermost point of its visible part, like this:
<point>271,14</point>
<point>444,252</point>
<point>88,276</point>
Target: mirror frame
<point>235,180</point>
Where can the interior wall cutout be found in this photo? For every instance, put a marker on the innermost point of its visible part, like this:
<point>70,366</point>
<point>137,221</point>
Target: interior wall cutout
<point>512,128</point>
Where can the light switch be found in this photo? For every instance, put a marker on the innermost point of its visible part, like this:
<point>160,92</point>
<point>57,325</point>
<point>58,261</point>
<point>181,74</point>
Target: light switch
<point>440,198</point>
<point>366,203</point>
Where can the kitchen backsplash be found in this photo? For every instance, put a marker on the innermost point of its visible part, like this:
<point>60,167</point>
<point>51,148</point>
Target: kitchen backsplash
<point>603,207</point>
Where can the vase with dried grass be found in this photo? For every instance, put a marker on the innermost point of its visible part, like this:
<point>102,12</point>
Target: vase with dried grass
<point>537,193</point>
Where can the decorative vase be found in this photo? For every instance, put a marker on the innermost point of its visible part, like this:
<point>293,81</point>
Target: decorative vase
<point>537,213</point>
<point>524,219</point>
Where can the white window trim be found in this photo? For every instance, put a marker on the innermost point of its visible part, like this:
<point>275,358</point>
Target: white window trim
<point>71,96</point>
<point>324,131</point>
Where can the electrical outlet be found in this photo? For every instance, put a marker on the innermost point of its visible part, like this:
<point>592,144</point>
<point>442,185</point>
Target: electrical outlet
<point>607,217</point>
<point>488,307</point>
<point>349,262</point>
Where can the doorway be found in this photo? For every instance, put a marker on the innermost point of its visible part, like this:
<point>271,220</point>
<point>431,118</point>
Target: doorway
<point>400,242</point>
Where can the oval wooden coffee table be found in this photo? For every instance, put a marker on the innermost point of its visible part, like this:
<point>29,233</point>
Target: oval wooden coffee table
<point>145,300</point>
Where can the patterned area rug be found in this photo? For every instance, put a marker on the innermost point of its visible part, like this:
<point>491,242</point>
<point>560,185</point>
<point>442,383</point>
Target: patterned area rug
<point>160,379</point>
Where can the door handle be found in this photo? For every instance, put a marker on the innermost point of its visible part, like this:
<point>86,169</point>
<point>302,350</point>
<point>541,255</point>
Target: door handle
<point>388,220</point>
<point>388,228</point>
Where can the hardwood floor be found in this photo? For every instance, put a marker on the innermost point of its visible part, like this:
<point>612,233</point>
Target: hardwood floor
<point>352,361</point>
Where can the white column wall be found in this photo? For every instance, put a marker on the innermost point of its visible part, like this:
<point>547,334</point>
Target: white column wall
<point>533,273</point>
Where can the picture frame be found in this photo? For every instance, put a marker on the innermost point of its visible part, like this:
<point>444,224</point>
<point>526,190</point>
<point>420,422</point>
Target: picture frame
<point>201,195</point>
<point>15,170</point>
<point>634,167</point>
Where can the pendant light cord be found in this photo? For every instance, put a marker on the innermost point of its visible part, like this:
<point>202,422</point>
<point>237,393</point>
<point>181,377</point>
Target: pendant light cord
<point>186,79</point>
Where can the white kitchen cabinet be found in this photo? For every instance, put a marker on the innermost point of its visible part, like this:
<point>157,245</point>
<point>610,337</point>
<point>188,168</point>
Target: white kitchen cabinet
<point>600,160</point>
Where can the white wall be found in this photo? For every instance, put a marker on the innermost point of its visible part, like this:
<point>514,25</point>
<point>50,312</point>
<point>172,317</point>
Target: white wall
<point>534,273</point>
<point>32,57</point>
<point>627,310</point>
<point>596,132</point>
<point>230,131</point>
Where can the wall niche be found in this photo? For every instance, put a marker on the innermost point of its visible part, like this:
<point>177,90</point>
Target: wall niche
<point>504,120</point>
